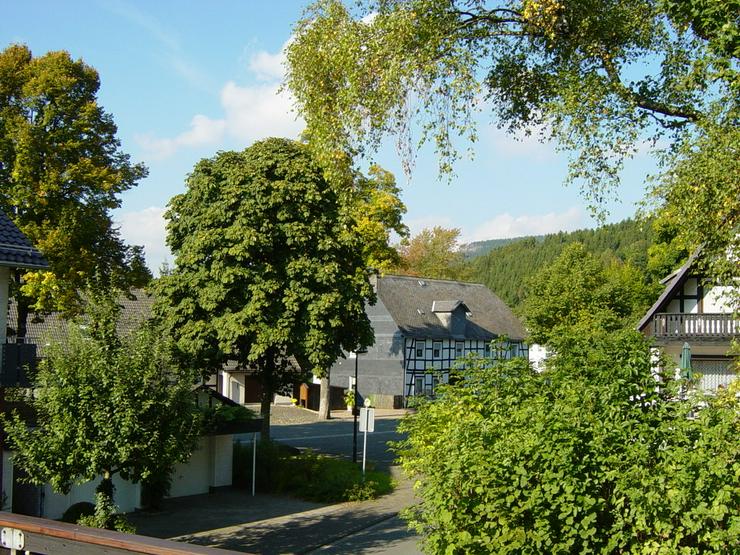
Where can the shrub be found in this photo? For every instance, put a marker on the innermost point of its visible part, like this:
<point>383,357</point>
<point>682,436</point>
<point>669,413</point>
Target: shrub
<point>75,512</point>
<point>590,457</point>
<point>310,476</point>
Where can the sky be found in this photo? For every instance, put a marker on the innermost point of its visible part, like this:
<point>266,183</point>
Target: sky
<point>184,80</point>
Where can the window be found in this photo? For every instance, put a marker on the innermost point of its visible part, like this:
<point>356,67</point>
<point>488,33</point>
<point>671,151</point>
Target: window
<point>418,385</point>
<point>459,349</point>
<point>437,349</point>
<point>487,350</point>
<point>420,349</point>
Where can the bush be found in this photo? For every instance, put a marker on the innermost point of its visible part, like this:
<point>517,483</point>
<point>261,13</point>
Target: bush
<point>310,476</point>
<point>75,512</point>
<point>590,457</point>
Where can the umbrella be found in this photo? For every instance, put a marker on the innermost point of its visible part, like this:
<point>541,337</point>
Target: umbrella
<point>686,362</point>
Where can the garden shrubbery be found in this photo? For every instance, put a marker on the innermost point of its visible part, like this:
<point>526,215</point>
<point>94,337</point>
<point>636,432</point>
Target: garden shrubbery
<point>307,475</point>
<point>591,456</point>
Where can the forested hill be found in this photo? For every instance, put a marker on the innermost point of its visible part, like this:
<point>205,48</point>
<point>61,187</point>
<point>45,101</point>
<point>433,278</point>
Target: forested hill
<point>479,248</point>
<point>505,269</point>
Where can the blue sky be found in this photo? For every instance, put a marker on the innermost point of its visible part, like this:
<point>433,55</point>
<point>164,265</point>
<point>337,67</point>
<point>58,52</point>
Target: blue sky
<point>185,79</point>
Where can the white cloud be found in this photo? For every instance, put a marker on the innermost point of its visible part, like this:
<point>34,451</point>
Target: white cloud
<point>417,225</point>
<point>250,113</point>
<point>203,131</point>
<point>533,146</point>
<point>147,227</point>
<point>267,66</point>
<point>258,112</point>
<point>505,225</point>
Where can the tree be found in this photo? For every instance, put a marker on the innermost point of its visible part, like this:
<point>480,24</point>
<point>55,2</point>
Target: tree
<point>378,211</point>
<point>579,290</point>
<point>601,78</point>
<point>433,253</point>
<point>105,404</point>
<point>62,172</point>
<point>268,266</point>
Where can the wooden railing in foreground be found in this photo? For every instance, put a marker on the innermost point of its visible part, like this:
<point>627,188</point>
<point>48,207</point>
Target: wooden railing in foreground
<point>49,537</point>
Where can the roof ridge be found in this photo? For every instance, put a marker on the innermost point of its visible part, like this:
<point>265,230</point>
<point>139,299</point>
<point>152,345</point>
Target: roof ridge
<point>422,278</point>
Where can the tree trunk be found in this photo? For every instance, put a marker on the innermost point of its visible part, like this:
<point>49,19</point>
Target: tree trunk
<point>265,405</point>
<point>325,399</point>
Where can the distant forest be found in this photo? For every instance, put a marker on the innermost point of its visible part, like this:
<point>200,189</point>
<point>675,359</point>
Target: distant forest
<point>506,268</point>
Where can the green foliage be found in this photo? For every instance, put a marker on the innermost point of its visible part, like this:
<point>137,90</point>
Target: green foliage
<point>268,266</point>
<point>62,172</point>
<point>506,270</point>
<point>601,78</point>
<point>591,456</point>
<point>105,404</point>
<point>220,415</point>
<point>377,209</point>
<point>106,516</point>
<point>433,253</point>
<point>577,289</point>
<point>77,511</point>
<point>308,475</point>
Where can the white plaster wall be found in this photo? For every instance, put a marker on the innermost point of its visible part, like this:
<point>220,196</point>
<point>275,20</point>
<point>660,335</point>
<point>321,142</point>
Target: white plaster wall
<point>222,448</point>
<point>717,299</point>
<point>7,480</point>
<point>537,356</point>
<point>4,285</point>
<point>127,497</point>
<point>193,477</point>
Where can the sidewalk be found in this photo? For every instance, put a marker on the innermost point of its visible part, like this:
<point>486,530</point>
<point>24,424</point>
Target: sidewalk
<point>267,523</point>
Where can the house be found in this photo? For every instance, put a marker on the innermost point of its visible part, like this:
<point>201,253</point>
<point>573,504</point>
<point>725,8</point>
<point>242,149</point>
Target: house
<point>695,312</point>
<point>210,465</point>
<point>422,327</point>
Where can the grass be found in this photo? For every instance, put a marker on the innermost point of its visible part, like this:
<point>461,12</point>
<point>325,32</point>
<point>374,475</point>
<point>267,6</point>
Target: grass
<point>307,475</point>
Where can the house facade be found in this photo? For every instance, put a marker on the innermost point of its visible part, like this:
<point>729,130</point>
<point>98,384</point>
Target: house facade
<point>422,328</point>
<point>692,311</point>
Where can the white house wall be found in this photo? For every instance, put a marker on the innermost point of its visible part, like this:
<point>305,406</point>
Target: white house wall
<point>717,300</point>
<point>4,286</point>
<point>210,466</point>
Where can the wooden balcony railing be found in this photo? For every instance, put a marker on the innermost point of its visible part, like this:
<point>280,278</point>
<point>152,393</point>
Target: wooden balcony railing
<point>695,326</point>
<point>38,535</point>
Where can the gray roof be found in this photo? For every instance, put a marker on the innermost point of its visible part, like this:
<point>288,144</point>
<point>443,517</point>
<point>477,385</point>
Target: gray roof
<point>674,281</point>
<point>43,329</point>
<point>448,306</point>
<point>410,301</point>
<point>16,250</point>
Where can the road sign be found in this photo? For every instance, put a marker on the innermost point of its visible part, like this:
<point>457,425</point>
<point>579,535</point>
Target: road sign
<point>367,420</point>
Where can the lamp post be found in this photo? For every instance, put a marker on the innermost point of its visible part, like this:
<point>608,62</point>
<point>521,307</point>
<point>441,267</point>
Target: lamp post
<point>355,410</point>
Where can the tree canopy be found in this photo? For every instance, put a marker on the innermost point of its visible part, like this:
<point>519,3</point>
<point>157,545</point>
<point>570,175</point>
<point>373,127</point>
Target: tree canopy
<point>433,253</point>
<point>601,78</point>
<point>106,403</point>
<point>268,265</point>
<point>62,172</point>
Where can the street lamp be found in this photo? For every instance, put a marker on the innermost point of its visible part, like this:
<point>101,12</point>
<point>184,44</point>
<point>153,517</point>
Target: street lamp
<point>355,410</point>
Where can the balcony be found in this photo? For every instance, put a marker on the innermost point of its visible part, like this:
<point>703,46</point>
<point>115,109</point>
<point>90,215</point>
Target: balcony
<point>709,327</point>
<point>16,359</point>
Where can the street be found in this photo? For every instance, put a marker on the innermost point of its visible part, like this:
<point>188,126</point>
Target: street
<point>335,437</point>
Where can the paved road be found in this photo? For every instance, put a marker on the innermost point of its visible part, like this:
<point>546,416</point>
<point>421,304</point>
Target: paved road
<point>335,437</point>
<point>390,537</point>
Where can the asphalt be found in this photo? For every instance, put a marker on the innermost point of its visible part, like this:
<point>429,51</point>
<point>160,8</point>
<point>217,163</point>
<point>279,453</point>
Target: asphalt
<point>234,519</point>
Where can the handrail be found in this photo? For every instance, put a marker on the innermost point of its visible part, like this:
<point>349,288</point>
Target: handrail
<point>708,326</point>
<point>45,536</point>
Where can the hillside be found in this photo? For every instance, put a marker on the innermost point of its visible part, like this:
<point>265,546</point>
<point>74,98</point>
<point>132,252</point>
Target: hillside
<point>479,248</point>
<point>505,269</point>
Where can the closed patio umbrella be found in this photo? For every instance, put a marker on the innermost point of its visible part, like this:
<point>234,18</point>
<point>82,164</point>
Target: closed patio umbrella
<point>686,371</point>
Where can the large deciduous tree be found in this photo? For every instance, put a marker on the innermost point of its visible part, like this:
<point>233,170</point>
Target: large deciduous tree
<point>106,403</point>
<point>600,77</point>
<point>62,171</point>
<point>268,265</point>
<point>433,253</point>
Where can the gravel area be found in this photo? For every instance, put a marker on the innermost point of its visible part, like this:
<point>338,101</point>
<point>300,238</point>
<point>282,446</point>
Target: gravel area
<point>281,415</point>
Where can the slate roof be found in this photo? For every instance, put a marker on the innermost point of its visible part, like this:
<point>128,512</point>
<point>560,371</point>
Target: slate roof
<point>45,328</point>
<point>410,301</point>
<point>16,250</point>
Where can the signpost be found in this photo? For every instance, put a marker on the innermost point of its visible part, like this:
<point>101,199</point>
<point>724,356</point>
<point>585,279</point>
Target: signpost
<point>367,424</point>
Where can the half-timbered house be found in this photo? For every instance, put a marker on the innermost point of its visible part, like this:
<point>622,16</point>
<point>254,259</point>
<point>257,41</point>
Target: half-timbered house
<point>697,313</point>
<point>422,327</point>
